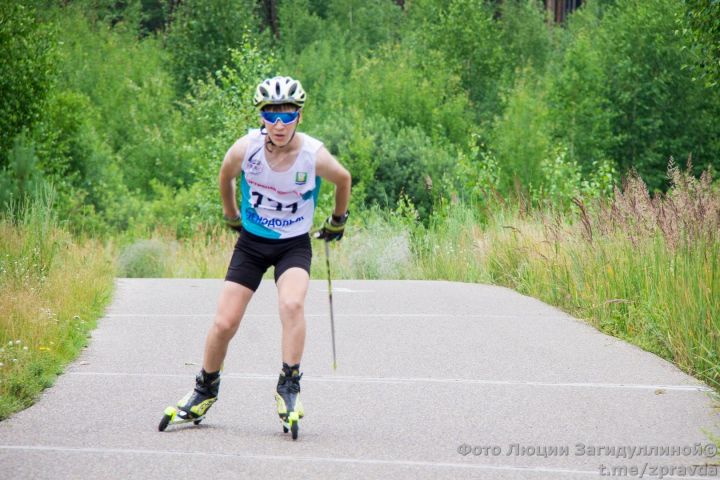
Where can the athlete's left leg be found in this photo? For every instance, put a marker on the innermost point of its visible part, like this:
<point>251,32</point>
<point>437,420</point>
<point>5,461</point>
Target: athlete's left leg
<point>292,288</point>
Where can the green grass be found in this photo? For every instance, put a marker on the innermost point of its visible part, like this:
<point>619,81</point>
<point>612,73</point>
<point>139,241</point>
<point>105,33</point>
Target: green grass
<point>52,290</point>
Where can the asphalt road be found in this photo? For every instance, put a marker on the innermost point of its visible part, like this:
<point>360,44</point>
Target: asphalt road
<point>434,380</point>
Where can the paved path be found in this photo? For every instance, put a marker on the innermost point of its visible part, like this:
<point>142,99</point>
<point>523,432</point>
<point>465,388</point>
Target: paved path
<point>426,371</point>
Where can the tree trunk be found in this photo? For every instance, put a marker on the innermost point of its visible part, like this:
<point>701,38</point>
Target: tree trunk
<point>269,14</point>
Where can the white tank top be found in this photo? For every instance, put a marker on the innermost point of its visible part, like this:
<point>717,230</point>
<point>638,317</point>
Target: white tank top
<point>279,204</point>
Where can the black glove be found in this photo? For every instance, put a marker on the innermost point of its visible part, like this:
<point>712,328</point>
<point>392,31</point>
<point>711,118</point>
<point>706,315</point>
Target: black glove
<point>333,228</point>
<point>234,223</point>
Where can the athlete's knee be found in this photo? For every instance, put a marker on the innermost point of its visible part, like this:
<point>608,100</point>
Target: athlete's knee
<point>292,308</point>
<point>225,325</point>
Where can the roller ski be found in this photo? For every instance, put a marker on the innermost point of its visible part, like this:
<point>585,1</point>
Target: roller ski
<point>287,396</point>
<point>193,406</point>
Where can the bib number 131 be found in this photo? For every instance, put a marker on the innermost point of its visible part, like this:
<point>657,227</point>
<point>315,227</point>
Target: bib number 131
<point>259,197</point>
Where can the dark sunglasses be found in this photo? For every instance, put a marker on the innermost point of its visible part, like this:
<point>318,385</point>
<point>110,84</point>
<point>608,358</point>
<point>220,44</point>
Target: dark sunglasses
<point>285,117</point>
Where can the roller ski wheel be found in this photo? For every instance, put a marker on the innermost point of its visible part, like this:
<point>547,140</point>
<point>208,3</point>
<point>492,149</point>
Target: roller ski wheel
<point>194,405</point>
<point>175,416</point>
<point>291,423</point>
<point>289,407</point>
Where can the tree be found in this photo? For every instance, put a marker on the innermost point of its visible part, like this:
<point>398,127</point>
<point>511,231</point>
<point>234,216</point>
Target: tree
<point>269,12</point>
<point>201,33</point>
<point>703,19</point>
<point>26,71</point>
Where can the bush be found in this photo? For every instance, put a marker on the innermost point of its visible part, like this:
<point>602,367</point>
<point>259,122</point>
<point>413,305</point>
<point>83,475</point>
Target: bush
<point>143,259</point>
<point>21,179</point>
<point>388,160</point>
<point>74,158</point>
<point>521,137</point>
<point>411,164</point>
<point>410,91</point>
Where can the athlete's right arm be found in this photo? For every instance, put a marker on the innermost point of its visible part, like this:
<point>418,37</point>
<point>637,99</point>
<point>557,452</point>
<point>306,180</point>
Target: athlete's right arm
<point>229,171</point>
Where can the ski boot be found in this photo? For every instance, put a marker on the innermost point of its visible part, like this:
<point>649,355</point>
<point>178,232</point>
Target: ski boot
<point>193,406</point>
<point>287,396</point>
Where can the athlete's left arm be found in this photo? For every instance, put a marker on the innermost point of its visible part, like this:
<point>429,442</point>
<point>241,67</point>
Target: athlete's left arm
<point>327,167</point>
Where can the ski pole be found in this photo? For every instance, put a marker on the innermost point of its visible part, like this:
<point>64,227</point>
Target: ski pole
<point>332,319</point>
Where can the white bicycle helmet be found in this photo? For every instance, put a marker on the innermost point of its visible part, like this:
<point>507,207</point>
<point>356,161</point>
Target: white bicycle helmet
<point>279,90</point>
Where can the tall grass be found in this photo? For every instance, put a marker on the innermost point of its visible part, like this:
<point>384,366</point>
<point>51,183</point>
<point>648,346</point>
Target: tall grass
<point>52,289</point>
<point>641,267</point>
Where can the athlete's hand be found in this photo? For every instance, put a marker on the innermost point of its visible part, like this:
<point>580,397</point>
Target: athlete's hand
<point>234,223</point>
<point>333,228</point>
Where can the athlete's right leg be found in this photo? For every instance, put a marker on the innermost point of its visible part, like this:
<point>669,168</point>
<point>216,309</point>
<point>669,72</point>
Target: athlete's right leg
<point>234,299</point>
<point>244,275</point>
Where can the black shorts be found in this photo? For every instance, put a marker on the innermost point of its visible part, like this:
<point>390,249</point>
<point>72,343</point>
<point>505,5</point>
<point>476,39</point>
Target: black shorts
<point>253,255</point>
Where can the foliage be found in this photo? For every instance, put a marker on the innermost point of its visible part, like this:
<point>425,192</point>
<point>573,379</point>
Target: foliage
<point>410,91</point>
<point>484,42</point>
<point>201,34</point>
<point>615,96</point>
<point>411,165</point>
<point>20,179</point>
<point>445,99</point>
<point>521,137</point>
<point>479,173</point>
<point>213,115</point>
<point>143,17</point>
<point>130,96</point>
<point>579,101</point>
<point>357,25</point>
<point>26,70</point>
<point>653,107</point>
<point>562,180</point>
<point>390,143</point>
<point>702,23</point>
